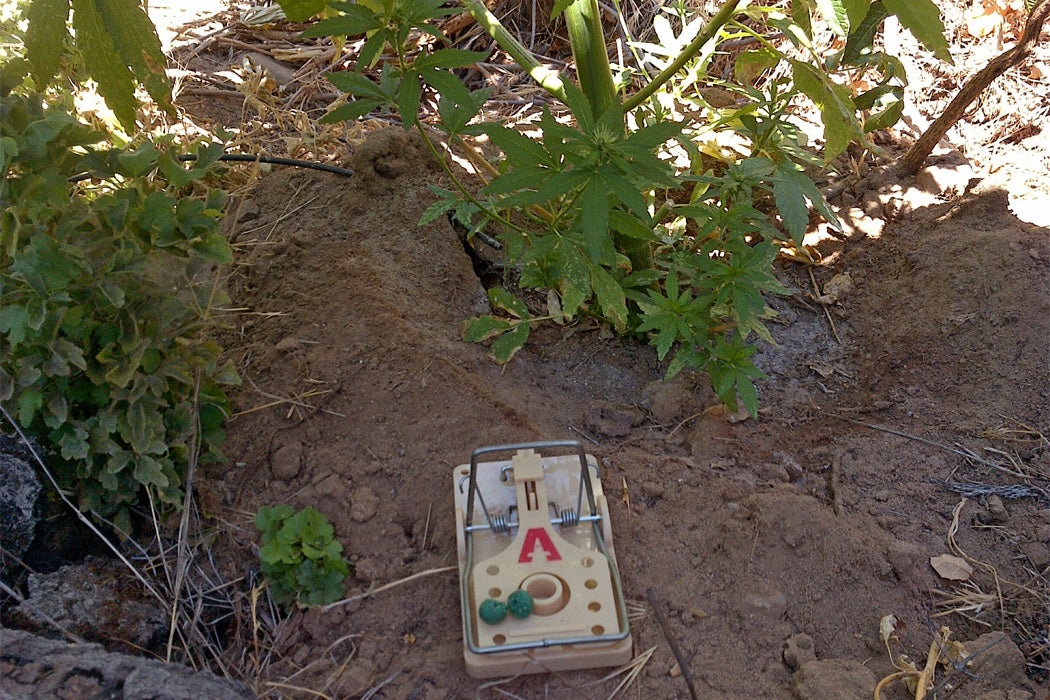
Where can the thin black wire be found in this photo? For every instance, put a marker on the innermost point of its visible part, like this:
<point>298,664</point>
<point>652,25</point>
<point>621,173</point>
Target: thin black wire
<point>246,158</point>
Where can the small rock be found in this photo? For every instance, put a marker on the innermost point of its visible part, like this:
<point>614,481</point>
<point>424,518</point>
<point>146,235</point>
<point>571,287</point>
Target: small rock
<point>997,660</point>
<point>791,466</point>
<point>770,472</point>
<point>366,571</point>
<point>652,489</point>
<point>882,495</point>
<point>836,289</point>
<point>763,600</point>
<point>287,461</point>
<point>1037,552</point>
<point>1042,533</point>
<point>996,513</point>
<point>907,560</point>
<point>356,678</point>
<point>19,488</point>
<point>674,400</point>
<point>675,671</point>
<point>363,504</point>
<point>798,649</point>
<point>247,210</point>
<point>833,678</point>
<point>612,420</point>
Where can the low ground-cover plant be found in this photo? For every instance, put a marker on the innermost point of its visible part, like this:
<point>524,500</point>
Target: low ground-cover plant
<point>107,295</point>
<point>639,211</point>
<point>302,561</point>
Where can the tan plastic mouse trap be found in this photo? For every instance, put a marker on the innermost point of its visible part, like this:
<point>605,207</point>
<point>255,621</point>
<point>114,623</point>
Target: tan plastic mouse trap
<point>539,586</point>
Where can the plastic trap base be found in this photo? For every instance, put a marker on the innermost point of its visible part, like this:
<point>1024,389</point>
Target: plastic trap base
<point>539,586</point>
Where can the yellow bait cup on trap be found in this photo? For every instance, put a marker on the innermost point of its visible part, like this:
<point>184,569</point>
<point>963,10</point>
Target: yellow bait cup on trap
<point>539,586</point>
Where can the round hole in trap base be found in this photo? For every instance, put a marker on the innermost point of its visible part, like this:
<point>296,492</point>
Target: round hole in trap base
<point>492,570</point>
<point>594,606</point>
<point>495,592</point>
<point>499,639</point>
<point>549,593</point>
<point>587,562</point>
<point>597,630</point>
<point>590,583</point>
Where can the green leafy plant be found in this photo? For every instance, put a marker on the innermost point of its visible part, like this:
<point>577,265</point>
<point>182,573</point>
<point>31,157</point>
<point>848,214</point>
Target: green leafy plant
<point>107,296</point>
<point>116,42</point>
<point>659,210</point>
<point>302,561</point>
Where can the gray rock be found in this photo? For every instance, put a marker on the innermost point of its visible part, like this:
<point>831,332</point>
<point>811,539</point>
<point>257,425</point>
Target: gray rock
<point>19,489</point>
<point>96,600</point>
<point>34,667</point>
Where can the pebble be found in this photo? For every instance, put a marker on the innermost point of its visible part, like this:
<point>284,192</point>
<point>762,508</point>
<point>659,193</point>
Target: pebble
<point>363,504</point>
<point>765,601</point>
<point>798,649</point>
<point>287,461</point>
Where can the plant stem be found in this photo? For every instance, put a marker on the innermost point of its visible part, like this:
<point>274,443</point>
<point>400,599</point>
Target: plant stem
<point>546,78</point>
<point>715,24</point>
<point>587,38</point>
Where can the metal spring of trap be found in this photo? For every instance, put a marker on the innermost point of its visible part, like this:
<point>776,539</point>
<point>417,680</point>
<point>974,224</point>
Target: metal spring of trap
<point>503,524</point>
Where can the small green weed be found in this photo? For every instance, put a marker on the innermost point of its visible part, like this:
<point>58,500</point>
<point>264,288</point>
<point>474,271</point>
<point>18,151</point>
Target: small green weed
<point>300,557</point>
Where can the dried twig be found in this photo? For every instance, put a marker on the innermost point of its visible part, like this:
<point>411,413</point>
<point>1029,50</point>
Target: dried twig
<point>687,674</point>
<point>373,591</point>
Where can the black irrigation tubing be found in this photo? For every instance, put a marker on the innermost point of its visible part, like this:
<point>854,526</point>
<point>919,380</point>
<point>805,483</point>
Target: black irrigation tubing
<point>246,158</point>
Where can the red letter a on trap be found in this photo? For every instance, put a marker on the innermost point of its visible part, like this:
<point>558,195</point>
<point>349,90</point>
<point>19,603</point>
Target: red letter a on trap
<point>534,536</point>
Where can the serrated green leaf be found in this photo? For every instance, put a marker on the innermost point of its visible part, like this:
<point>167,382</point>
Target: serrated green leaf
<point>29,402</point>
<point>863,35</point>
<point>610,297</point>
<point>834,13</point>
<point>791,190</point>
<point>751,64</point>
<point>150,471</point>
<point>923,20</point>
<point>115,81</point>
<point>13,323</point>
<point>356,85</point>
<point>408,97</point>
<point>476,330</point>
<point>836,108</point>
<point>504,348</point>
<point>356,19</point>
<point>215,248</point>
<point>885,118</point>
<point>269,519</point>
<point>302,10</point>
<point>502,299</point>
<point>45,38</point>
<point>135,38</point>
<point>449,58</point>
<point>801,14</point>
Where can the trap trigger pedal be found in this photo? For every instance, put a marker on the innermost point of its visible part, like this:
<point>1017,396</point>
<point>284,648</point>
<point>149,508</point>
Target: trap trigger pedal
<point>539,587</point>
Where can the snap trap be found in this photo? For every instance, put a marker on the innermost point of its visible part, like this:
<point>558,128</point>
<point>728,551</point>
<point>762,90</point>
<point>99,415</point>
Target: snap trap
<point>539,586</point>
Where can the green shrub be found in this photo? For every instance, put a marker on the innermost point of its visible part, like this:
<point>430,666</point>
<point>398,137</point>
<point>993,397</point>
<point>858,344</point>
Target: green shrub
<point>107,293</point>
<point>300,557</point>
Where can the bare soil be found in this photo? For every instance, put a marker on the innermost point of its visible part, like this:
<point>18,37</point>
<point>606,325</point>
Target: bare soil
<point>818,518</point>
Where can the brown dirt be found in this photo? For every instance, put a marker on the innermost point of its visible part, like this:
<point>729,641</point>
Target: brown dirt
<point>353,317</point>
